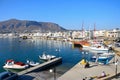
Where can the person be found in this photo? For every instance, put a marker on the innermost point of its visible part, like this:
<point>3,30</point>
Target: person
<point>103,74</point>
<point>87,65</point>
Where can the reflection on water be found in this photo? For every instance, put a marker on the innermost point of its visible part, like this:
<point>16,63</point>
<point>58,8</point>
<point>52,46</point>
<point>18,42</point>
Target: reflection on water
<point>21,50</point>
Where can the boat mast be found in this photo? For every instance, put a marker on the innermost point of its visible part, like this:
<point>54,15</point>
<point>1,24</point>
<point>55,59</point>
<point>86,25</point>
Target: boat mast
<point>94,36</point>
<point>82,29</point>
<point>94,32</point>
<point>89,33</point>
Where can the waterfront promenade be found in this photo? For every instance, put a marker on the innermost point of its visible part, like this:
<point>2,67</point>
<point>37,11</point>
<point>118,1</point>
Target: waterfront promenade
<point>78,72</point>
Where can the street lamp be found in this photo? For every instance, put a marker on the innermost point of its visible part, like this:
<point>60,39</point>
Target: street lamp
<point>116,63</point>
<point>54,71</point>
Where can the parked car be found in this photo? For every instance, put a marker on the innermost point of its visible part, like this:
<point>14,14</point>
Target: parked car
<point>8,76</point>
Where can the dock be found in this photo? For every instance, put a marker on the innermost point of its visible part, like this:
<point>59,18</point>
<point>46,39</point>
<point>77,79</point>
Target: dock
<point>41,66</point>
<point>32,73</point>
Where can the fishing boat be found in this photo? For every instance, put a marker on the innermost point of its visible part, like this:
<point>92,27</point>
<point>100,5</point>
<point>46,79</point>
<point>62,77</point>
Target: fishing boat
<point>32,63</point>
<point>46,57</point>
<point>102,59</point>
<point>99,48</point>
<point>11,64</point>
<point>99,57</point>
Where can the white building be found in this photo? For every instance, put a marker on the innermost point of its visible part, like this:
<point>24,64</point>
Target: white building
<point>98,34</point>
<point>112,33</point>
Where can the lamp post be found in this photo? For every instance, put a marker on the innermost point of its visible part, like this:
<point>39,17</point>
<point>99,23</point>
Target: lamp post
<point>54,72</point>
<point>116,63</point>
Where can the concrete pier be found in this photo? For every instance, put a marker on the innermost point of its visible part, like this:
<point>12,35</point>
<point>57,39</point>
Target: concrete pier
<point>41,66</point>
<point>78,72</point>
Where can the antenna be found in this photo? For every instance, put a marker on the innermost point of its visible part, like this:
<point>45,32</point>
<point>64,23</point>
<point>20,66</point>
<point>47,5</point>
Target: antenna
<point>82,28</point>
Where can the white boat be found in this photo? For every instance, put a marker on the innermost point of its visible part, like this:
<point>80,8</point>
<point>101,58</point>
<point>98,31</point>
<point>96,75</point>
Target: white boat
<point>11,64</point>
<point>32,63</point>
<point>107,54</point>
<point>46,57</point>
<point>99,48</point>
<point>101,59</point>
<point>103,56</point>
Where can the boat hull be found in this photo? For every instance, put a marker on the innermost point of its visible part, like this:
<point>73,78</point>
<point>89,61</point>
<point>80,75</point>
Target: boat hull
<point>46,57</point>
<point>98,49</point>
<point>15,67</point>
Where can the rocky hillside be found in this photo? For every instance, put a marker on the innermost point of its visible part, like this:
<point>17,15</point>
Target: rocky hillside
<point>14,25</point>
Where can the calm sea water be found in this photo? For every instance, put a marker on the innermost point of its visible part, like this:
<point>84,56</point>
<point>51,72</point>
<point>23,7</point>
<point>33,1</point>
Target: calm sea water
<point>21,50</point>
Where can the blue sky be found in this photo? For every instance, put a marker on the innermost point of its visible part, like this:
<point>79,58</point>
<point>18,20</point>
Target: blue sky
<point>69,14</point>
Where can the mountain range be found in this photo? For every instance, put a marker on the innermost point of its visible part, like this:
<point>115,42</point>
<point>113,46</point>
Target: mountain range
<point>15,25</point>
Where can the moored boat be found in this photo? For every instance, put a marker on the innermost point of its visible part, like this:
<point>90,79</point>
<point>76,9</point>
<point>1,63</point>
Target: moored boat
<point>84,44</point>
<point>32,63</point>
<point>104,59</point>
<point>99,48</point>
<point>100,57</point>
<point>46,57</point>
<point>107,54</point>
<point>11,64</point>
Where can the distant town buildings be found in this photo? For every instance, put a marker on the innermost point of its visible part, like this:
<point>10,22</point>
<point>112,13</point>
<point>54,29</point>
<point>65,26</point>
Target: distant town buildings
<point>69,35</point>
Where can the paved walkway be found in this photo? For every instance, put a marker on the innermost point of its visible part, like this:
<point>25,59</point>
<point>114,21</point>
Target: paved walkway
<point>40,75</point>
<point>78,72</point>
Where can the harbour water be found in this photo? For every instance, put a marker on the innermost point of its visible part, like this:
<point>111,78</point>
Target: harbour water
<point>21,50</point>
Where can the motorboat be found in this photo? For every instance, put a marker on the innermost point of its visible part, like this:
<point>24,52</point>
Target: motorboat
<point>98,47</point>
<point>32,63</point>
<point>101,59</point>
<point>46,57</point>
<point>11,64</point>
